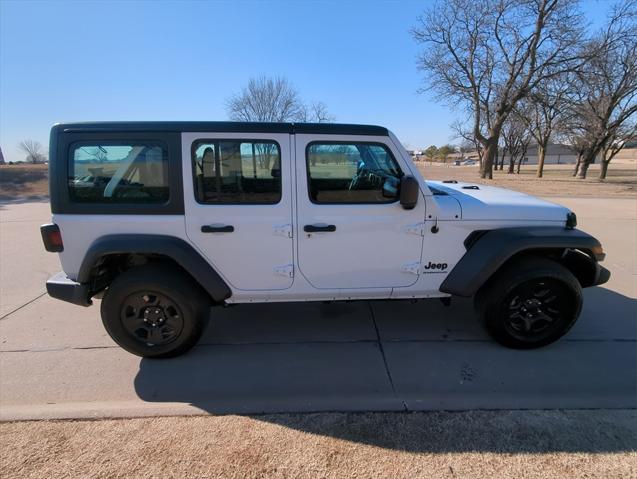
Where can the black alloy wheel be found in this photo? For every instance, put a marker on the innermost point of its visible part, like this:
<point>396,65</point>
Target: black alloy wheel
<point>152,318</point>
<point>536,307</point>
<point>155,311</point>
<point>530,302</point>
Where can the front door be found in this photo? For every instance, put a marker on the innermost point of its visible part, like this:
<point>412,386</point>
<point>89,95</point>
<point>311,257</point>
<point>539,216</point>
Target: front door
<point>352,231</point>
<point>238,205</point>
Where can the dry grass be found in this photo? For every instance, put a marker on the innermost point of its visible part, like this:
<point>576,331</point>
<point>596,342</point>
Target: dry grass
<point>621,181</point>
<point>505,444</point>
<point>23,181</point>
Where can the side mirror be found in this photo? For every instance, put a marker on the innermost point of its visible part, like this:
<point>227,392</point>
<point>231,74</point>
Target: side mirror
<point>409,191</point>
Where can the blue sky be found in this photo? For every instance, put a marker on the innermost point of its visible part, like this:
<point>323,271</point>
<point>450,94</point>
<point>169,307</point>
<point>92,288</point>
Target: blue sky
<point>170,60</point>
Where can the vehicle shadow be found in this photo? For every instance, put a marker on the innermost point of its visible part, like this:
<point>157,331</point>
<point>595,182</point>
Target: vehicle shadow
<point>313,358</point>
<point>504,431</point>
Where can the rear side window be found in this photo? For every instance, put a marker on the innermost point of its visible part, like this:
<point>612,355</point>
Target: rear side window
<point>352,173</point>
<point>237,171</point>
<point>135,172</point>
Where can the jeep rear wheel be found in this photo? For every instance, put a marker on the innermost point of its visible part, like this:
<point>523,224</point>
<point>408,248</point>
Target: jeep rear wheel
<point>530,303</point>
<point>155,311</point>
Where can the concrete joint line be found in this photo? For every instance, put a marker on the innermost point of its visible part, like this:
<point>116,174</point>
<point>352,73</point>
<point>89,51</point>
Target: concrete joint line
<point>20,307</point>
<point>382,353</point>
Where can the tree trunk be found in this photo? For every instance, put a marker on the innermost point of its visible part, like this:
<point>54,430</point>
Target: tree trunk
<point>502,159</point>
<point>511,165</point>
<point>586,162</point>
<point>541,155</point>
<point>583,169</point>
<point>604,162</point>
<point>577,164</point>
<point>490,155</point>
<point>519,164</point>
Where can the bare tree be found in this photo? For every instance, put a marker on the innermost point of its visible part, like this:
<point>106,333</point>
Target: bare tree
<point>607,87</point>
<point>465,133</point>
<point>569,131</point>
<point>487,56</point>
<point>316,112</point>
<point>517,137</point>
<point>524,146</point>
<point>542,112</point>
<point>34,151</point>
<point>619,139</point>
<point>273,100</point>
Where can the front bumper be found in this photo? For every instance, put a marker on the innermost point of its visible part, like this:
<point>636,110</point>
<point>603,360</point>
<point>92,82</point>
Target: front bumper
<point>59,286</point>
<point>602,275</point>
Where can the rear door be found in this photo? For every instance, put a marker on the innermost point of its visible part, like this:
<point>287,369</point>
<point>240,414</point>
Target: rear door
<point>351,233</point>
<point>238,205</point>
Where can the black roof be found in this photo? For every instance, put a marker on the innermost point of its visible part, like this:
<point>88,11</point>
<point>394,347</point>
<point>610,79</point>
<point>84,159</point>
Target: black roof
<point>225,126</point>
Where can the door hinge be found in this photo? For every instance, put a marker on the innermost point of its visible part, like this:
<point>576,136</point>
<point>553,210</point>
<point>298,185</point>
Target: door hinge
<point>286,270</point>
<point>283,230</point>
<point>416,229</point>
<point>413,268</point>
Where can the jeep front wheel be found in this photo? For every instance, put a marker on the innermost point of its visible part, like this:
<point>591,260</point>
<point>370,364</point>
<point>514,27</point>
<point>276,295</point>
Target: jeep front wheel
<point>532,302</point>
<point>155,311</point>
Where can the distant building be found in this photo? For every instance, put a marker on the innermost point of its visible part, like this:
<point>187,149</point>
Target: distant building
<point>1,157</point>
<point>556,154</point>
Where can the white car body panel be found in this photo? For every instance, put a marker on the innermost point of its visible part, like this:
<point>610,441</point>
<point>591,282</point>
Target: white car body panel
<point>490,203</point>
<point>80,231</point>
<point>372,242</point>
<point>254,256</point>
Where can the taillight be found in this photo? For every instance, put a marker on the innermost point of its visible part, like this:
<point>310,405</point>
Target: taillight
<point>52,238</point>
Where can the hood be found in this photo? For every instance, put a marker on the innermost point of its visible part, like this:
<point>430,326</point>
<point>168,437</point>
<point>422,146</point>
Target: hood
<point>482,202</point>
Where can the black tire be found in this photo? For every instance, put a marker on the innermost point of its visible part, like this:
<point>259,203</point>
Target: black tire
<point>530,303</point>
<point>155,311</point>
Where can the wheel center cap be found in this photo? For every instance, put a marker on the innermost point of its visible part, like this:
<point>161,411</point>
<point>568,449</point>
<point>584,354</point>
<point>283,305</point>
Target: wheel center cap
<point>154,315</point>
<point>532,303</point>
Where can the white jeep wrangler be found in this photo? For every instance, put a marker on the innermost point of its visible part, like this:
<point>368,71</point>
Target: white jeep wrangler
<point>165,219</point>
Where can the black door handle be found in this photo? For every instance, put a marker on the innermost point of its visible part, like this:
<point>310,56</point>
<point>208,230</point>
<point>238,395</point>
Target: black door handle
<point>319,228</point>
<point>217,229</point>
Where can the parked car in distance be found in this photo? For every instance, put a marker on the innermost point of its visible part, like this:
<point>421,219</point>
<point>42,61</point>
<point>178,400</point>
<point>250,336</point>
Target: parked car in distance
<point>164,220</point>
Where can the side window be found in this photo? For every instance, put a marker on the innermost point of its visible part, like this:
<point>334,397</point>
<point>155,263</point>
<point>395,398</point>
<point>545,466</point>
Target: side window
<point>118,173</point>
<point>237,171</point>
<point>352,173</point>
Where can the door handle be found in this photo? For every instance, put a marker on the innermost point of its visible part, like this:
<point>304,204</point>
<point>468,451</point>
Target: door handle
<point>217,229</point>
<point>319,228</point>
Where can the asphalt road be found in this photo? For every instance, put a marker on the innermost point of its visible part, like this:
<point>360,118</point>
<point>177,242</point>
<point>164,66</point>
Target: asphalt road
<point>56,361</point>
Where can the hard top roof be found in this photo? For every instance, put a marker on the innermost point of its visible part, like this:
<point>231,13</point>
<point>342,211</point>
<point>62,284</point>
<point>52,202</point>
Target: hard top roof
<point>224,126</point>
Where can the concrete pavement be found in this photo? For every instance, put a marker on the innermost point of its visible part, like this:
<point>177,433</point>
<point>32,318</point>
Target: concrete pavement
<point>56,360</point>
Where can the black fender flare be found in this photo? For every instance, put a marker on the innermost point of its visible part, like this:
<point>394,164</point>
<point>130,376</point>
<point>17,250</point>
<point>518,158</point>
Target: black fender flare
<point>487,251</point>
<point>170,246</point>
